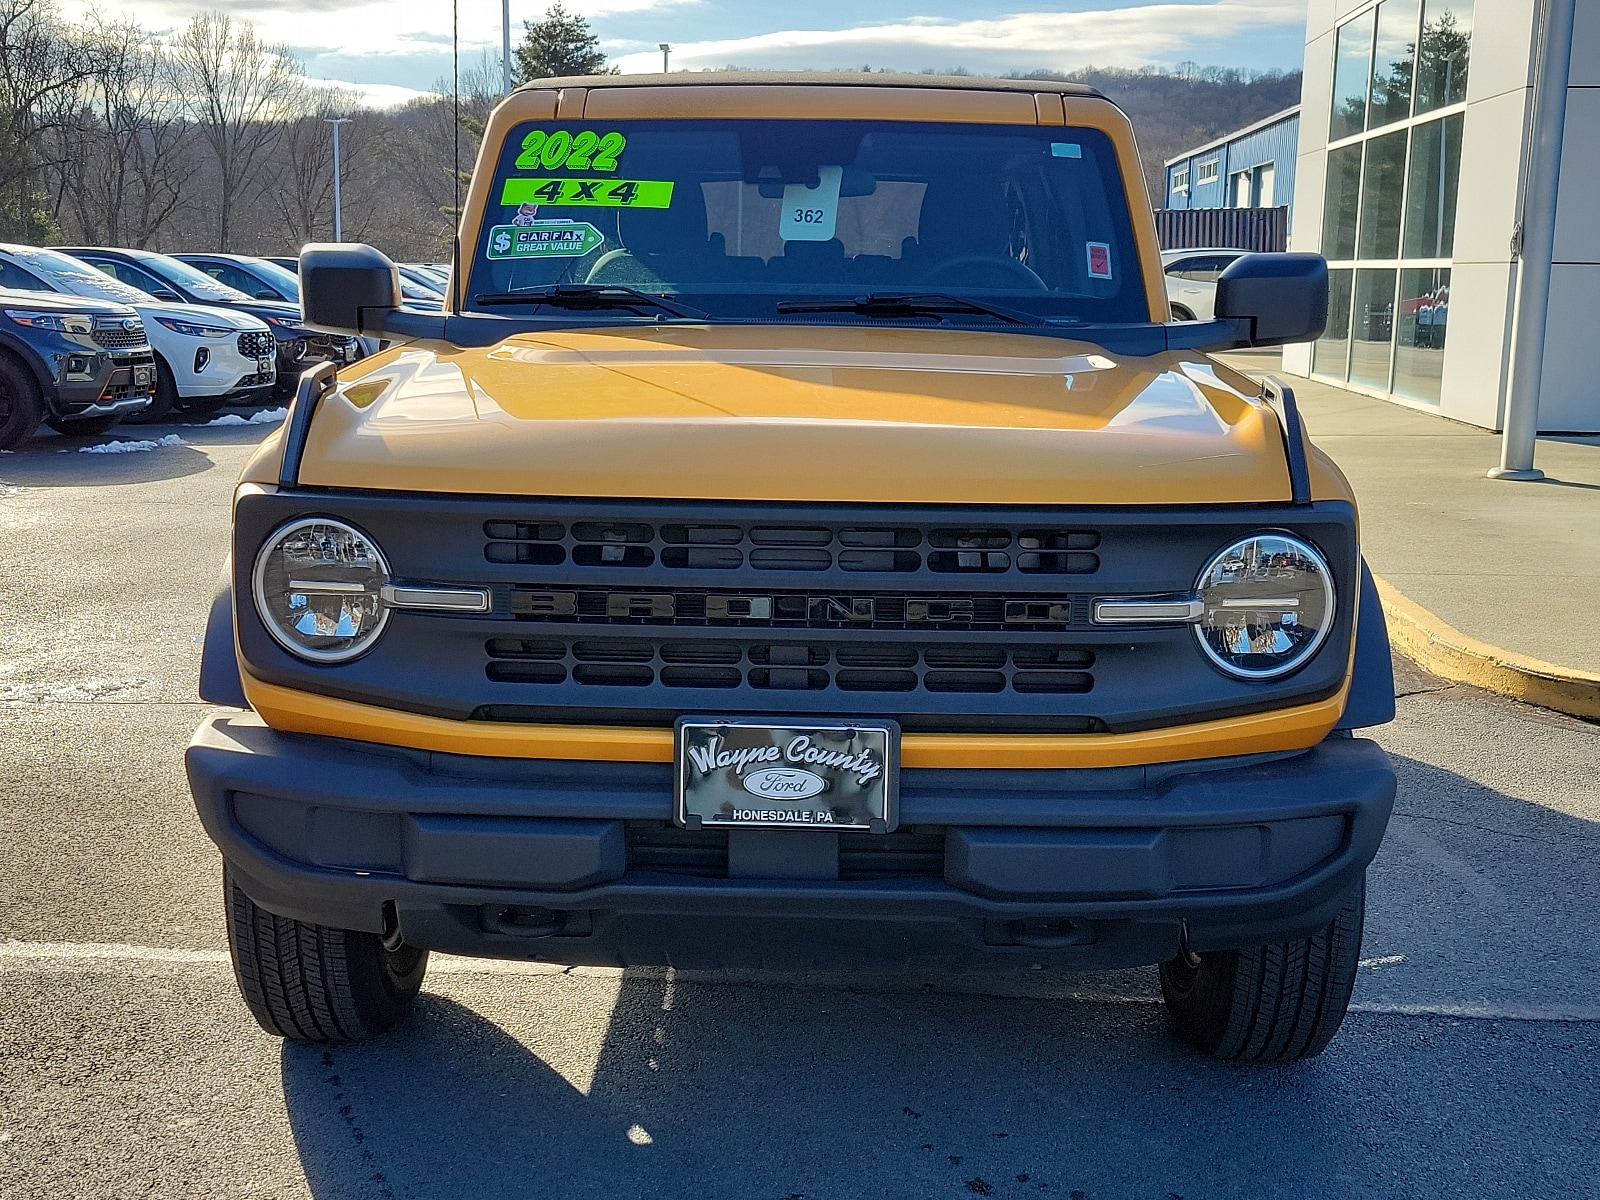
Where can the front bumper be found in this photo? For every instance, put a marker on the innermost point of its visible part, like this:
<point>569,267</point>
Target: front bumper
<point>109,382</point>
<point>576,862</point>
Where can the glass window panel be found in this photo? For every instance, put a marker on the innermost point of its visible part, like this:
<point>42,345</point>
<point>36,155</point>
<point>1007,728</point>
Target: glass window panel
<point>1431,192</point>
<point>1382,186</point>
<point>1332,349</point>
<point>1393,62</point>
<point>1372,328</point>
<point>1352,64</point>
<point>1419,341</point>
<point>1442,61</point>
<point>1340,202</point>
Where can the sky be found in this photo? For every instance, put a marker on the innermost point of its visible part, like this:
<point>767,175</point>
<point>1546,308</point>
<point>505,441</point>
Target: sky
<point>389,50</point>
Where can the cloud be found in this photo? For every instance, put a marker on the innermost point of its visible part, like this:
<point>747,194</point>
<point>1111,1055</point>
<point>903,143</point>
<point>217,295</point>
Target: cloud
<point>373,95</point>
<point>1061,41</point>
<point>364,27</point>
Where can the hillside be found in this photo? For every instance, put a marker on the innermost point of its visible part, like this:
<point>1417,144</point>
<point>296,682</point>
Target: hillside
<point>1172,113</point>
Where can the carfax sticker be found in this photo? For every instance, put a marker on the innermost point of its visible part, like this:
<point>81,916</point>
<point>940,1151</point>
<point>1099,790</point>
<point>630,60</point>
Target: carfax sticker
<point>544,239</point>
<point>589,193</point>
<point>1099,260</point>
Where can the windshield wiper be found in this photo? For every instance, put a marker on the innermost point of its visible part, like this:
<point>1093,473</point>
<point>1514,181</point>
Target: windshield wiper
<point>910,304</point>
<point>591,295</point>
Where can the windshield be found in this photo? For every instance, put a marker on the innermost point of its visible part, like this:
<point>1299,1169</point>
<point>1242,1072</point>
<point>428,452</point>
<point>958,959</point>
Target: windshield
<point>286,282</point>
<point>191,279</point>
<point>737,215</point>
<point>71,275</point>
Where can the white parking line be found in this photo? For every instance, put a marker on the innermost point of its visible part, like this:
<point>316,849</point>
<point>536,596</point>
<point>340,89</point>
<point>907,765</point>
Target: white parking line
<point>47,958</point>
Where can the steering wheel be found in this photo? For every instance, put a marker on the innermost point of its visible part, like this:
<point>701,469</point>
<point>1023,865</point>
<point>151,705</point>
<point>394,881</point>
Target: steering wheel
<point>1023,275</point>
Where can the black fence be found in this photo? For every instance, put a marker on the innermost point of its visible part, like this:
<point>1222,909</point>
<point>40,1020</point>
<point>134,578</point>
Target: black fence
<point>1238,228</point>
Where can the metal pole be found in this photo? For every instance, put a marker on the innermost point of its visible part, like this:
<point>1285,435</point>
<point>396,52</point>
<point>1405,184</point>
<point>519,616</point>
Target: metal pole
<point>1538,244</point>
<point>666,52</point>
<point>505,45</point>
<point>338,206</point>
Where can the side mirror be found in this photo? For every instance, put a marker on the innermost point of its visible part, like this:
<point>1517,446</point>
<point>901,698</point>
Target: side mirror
<point>346,288</point>
<point>1280,297</point>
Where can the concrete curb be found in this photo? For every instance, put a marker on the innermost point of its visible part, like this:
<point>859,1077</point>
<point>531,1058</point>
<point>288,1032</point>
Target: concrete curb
<point>1447,652</point>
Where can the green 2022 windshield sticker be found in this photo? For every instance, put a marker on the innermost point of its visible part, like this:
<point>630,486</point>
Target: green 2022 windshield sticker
<point>544,239</point>
<point>585,150</point>
<point>589,193</point>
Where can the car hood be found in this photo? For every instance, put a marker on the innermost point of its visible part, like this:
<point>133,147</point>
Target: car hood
<point>201,314</point>
<point>809,413</point>
<point>278,310</point>
<point>56,302</point>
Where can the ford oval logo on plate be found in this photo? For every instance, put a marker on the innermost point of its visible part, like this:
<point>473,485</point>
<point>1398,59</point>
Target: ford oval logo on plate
<point>783,783</point>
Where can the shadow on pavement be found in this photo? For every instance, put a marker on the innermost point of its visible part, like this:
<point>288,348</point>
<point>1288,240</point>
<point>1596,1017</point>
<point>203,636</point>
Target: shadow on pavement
<point>775,1090</point>
<point>58,461</point>
<point>775,1094</point>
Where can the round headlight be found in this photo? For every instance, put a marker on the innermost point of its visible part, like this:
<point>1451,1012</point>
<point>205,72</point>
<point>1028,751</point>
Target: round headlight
<point>1269,603</point>
<point>318,588</point>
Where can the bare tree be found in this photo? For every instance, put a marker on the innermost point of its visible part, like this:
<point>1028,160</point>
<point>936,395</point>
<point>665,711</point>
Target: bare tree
<point>41,63</point>
<point>124,163</point>
<point>239,93</point>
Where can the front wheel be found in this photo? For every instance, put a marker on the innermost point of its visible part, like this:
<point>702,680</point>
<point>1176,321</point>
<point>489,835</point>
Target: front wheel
<point>203,406</point>
<point>21,407</point>
<point>1270,1003</point>
<point>164,400</point>
<point>314,983</point>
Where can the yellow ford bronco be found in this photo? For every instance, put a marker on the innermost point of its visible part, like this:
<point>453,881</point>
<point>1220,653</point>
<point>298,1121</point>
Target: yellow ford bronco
<point>804,541</point>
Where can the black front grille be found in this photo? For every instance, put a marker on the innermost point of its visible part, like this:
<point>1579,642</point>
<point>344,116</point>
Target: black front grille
<point>813,665</point>
<point>628,612</point>
<point>895,549</point>
<point>916,851</point>
<point>115,337</point>
<point>257,344</point>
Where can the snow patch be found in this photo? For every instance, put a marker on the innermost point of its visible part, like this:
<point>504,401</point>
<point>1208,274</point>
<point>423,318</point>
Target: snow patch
<point>171,439</point>
<point>267,416</point>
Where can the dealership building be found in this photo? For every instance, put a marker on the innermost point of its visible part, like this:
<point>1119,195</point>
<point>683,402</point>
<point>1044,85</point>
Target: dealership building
<point>1416,147</point>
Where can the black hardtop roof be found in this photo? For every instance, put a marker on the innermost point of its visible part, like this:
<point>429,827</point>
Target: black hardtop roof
<point>968,83</point>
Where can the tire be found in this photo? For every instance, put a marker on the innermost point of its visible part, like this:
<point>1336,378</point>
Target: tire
<point>21,406</point>
<point>88,427</point>
<point>312,983</point>
<point>1271,1003</point>
<point>1180,313</point>
<point>203,406</point>
<point>163,402</point>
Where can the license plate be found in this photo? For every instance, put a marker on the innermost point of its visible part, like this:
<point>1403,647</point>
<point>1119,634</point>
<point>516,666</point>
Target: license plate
<point>266,365</point>
<point>840,775</point>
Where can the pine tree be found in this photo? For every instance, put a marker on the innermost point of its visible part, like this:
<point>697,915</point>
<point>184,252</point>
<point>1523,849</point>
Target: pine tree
<point>561,44</point>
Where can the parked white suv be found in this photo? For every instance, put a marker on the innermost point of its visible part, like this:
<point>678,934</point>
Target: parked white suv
<point>1192,280</point>
<point>204,356</point>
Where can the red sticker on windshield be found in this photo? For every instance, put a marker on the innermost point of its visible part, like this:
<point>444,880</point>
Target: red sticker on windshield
<point>1099,260</point>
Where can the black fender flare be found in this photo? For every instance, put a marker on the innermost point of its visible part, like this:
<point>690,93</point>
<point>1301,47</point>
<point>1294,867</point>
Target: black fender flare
<point>1371,697</point>
<point>219,661</point>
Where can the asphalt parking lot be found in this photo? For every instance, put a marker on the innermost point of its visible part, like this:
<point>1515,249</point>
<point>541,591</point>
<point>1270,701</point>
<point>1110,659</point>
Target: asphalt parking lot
<point>128,1067</point>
